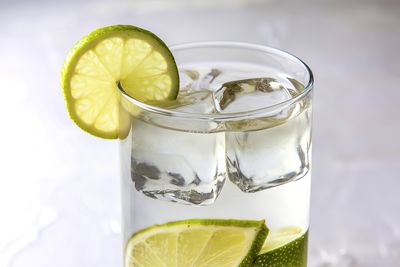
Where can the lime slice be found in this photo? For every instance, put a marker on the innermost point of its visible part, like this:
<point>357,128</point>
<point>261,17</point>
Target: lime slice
<point>133,57</point>
<point>286,247</point>
<point>197,243</point>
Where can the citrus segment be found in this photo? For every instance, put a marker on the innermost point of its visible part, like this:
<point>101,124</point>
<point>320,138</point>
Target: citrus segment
<point>197,243</point>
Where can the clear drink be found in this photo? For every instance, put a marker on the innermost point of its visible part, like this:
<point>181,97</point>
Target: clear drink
<point>235,145</point>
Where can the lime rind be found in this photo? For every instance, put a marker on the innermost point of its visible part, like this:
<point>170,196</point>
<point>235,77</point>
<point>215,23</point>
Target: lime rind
<point>292,254</point>
<point>89,42</point>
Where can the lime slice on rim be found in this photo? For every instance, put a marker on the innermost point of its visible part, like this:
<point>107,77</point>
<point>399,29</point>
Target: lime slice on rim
<point>197,243</point>
<point>133,57</point>
<point>286,247</point>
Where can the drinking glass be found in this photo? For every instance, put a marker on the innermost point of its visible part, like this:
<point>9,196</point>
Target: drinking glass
<point>235,145</point>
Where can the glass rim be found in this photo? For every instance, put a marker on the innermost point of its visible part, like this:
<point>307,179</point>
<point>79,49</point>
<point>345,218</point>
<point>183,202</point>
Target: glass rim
<point>233,115</point>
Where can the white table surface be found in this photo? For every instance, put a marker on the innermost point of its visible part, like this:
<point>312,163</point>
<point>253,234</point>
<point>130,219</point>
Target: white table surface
<point>59,187</point>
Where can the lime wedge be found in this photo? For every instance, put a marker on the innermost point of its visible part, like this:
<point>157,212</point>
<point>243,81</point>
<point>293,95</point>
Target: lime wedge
<point>286,247</point>
<point>133,57</point>
<point>197,243</point>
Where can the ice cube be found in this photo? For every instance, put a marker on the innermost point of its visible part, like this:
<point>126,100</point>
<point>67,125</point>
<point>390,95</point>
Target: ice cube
<point>194,101</point>
<point>267,150</point>
<point>192,74</point>
<point>189,101</point>
<point>188,78</point>
<point>249,94</point>
<point>200,79</point>
<point>265,158</point>
<point>175,165</point>
<point>210,80</point>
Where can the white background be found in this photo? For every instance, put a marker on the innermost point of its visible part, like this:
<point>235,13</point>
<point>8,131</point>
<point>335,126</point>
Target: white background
<point>59,187</point>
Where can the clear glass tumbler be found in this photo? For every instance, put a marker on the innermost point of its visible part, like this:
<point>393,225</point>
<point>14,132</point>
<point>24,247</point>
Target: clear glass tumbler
<point>221,176</point>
